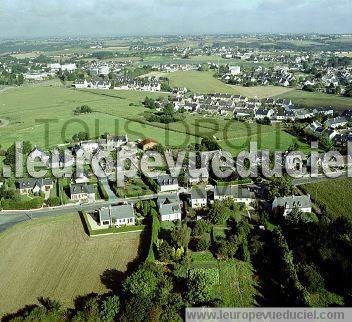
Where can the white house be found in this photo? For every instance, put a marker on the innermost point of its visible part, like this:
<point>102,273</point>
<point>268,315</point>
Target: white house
<point>82,192</point>
<point>35,186</point>
<point>167,183</point>
<point>261,114</point>
<point>237,193</point>
<point>117,216</point>
<point>81,84</point>
<point>199,198</point>
<point>288,204</point>
<point>337,122</point>
<point>169,208</point>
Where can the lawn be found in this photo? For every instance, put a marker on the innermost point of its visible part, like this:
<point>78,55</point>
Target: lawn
<point>313,100</point>
<point>335,194</point>
<point>53,257</point>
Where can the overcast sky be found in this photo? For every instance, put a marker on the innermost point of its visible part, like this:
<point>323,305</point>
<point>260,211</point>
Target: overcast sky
<point>29,18</point>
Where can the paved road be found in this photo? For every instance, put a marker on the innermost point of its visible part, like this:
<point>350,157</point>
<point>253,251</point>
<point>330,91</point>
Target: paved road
<point>11,218</point>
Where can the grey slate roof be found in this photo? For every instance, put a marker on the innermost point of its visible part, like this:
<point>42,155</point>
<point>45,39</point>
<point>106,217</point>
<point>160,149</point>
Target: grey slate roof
<point>294,201</point>
<point>166,180</point>
<point>32,182</point>
<point>198,194</point>
<point>81,188</point>
<point>116,212</point>
<point>232,191</point>
<point>168,209</point>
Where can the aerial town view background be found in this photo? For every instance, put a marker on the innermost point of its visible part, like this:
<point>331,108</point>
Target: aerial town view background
<point>145,171</point>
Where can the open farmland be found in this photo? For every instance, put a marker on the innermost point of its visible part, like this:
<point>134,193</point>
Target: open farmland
<point>335,194</point>
<point>54,258</point>
<point>205,82</point>
<point>118,112</point>
<point>27,109</point>
<point>312,100</point>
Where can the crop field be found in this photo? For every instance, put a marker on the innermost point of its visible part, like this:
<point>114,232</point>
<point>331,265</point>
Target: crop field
<point>335,194</point>
<point>312,100</point>
<point>53,257</point>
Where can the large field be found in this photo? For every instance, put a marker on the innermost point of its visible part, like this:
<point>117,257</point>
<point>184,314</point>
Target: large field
<point>205,82</point>
<point>118,112</point>
<point>55,258</point>
<point>335,194</point>
<point>27,109</point>
<point>312,100</point>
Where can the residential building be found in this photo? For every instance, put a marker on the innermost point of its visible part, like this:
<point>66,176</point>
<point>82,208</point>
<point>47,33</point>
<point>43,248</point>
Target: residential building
<point>35,186</point>
<point>237,193</point>
<point>167,183</point>
<point>117,216</point>
<point>199,198</point>
<point>286,205</point>
<point>82,192</point>
<point>169,208</point>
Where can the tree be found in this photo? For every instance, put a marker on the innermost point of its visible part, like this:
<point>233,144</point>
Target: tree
<point>210,144</point>
<point>219,213</point>
<point>297,217</point>
<point>149,103</point>
<point>80,136</point>
<point>280,187</point>
<point>199,287</point>
<point>53,201</point>
<point>181,236</point>
<point>10,156</point>
<point>142,283</point>
<point>311,278</point>
<point>109,308</point>
<point>325,142</point>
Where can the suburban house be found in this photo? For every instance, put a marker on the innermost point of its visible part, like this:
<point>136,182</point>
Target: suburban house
<point>167,183</point>
<point>199,198</point>
<point>82,192</point>
<point>35,186</point>
<point>203,176</point>
<point>117,216</point>
<point>237,193</point>
<point>38,155</point>
<point>169,208</point>
<point>288,204</point>
<point>336,122</point>
<point>261,114</point>
<point>147,144</point>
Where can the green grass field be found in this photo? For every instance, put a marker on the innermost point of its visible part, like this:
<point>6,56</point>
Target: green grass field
<point>312,100</point>
<point>335,194</point>
<point>53,257</point>
<point>205,82</point>
<point>27,108</point>
<point>118,112</point>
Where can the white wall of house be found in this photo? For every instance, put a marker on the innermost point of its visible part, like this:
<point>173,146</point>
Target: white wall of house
<point>171,217</point>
